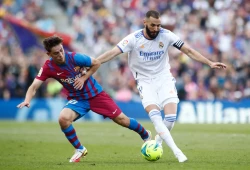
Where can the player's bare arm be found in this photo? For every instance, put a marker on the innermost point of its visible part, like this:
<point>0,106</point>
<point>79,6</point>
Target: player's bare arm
<point>30,93</point>
<point>109,55</point>
<point>95,64</point>
<point>190,52</point>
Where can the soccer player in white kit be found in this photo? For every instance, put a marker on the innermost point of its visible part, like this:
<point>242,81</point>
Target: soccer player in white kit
<point>149,62</point>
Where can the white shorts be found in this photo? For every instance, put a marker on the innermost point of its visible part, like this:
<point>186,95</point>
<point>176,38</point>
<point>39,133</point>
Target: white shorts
<point>159,91</point>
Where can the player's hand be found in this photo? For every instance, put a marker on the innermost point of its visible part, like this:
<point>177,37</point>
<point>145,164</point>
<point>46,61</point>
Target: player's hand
<point>78,84</point>
<point>84,71</point>
<point>218,65</point>
<point>21,105</point>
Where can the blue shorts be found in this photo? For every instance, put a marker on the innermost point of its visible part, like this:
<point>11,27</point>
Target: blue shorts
<point>101,104</point>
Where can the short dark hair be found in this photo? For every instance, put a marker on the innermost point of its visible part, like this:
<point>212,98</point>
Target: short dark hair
<point>51,42</point>
<point>153,14</point>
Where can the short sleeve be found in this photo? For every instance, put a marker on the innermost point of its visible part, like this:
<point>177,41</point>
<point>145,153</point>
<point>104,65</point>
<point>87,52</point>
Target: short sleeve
<point>127,43</point>
<point>82,60</point>
<point>175,40</point>
<point>43,73</point>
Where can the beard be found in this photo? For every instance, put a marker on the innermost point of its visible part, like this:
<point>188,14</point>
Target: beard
<point>151,34</point>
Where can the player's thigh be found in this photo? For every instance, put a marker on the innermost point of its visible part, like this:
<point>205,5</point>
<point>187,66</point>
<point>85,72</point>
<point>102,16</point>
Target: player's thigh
<point>167,92</point>
<point>147,93</point>
<point>104,105</point>
<point>79,107</point>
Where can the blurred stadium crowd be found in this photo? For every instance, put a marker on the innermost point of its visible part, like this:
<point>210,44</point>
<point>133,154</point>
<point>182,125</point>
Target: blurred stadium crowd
<point>219,29</point>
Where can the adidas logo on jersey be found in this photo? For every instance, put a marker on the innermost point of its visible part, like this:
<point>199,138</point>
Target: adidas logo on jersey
<point>142,46</point>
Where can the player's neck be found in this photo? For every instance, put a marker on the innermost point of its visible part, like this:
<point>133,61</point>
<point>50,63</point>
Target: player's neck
<point>146,35</point>
<point>63,63</point>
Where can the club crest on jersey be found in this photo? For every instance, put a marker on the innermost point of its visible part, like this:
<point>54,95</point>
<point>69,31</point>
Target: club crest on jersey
<point>161,45</point>
<point>40,72</point>
<point>125,42</point>
<point>142,46</point>
<point>77,69</point>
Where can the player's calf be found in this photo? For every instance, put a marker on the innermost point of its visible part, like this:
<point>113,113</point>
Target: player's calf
<point>132,124</point>
<point>169,121</point>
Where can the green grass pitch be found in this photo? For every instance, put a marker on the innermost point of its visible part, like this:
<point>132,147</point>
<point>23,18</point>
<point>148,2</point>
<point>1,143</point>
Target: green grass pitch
<point>42,146</point>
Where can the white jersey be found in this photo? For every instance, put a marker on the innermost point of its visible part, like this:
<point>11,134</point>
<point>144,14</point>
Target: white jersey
<point>149,58</point>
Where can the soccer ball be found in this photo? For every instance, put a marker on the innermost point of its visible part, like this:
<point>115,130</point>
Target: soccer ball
<point>151,151</point>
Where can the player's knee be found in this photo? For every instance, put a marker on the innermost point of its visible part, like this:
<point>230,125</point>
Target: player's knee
<point>64,121</point>
<point>66,117</point>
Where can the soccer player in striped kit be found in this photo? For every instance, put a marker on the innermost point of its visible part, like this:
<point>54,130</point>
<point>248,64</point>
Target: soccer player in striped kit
<point>149,62</point>
<point>84,93</point>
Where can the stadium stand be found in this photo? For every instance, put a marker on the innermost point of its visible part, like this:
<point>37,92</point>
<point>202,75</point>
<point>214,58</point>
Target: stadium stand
<point>96,26</point>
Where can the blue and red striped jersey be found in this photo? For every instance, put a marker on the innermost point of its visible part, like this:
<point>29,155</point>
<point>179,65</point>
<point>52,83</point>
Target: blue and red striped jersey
<point>68,72</point>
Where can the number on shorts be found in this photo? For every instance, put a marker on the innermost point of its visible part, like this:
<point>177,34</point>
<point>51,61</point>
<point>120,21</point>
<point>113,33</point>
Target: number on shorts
<point>72,102</point>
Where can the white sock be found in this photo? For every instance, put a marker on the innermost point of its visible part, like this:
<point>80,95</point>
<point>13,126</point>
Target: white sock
<point>162,130</point>
<point>169,121</point>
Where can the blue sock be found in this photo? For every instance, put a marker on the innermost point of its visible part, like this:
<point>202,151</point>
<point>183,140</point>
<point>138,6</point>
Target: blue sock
<point>70,134</point>
<point>137,127</point>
